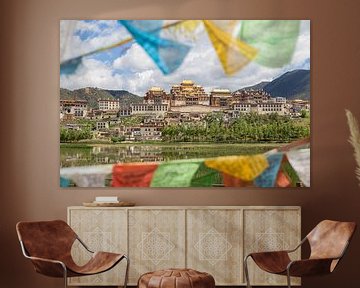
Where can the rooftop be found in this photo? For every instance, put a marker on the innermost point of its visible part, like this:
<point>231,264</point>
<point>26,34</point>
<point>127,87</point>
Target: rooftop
<point>156,89</point>
<point>221,90</point>
<point>109,100</point>
<point>187,82</point>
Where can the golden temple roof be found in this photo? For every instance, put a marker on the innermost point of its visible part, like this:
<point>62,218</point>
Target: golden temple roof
<point>187,82</point>
<point>156,89</point>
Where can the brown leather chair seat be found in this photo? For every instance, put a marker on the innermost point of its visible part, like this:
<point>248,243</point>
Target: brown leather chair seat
<point>48,245</point>
<point>328,242</point>
<point>176,278</point>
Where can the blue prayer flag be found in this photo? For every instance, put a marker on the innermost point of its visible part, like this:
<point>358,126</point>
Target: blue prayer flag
<point>268,177</point>
<point>64,182</point>
<point>167,54</point>
<point>69,66</point>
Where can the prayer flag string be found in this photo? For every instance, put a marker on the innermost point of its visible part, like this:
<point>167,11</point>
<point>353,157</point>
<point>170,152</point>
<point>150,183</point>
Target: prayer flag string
<point>270,43</point>
<point>271,169</point>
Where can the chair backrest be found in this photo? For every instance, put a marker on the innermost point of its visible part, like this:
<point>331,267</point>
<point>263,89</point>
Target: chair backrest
<point>329,239</point>
<point>46,239</point>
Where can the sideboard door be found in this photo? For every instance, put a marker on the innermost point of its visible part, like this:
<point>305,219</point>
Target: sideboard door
<point>270,230</point>
<point>101,230</point>
<point>214,244</point>
<point>156,240</point>
<point>208,239</point>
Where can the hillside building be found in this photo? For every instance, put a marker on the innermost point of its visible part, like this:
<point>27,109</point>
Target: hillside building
<point>124,111</point>
<point>109,104</point>
<point>255,96</point>
<point>221,98</point>
<point>259,108</point>
<point>156,95</point>
<point>187,94</point>
<point>149,109</point>
<point>70,109</point>
<point>299,104</point>
<point>151,132</point>
<point>102,125</point>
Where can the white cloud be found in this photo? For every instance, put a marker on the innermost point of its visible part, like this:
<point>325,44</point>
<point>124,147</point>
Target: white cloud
<point>92,73</point>
<point>100,33</point>
<point>85,26</point>
<point>135,60</point>
<point>302,51</point>
<point>136,72</point>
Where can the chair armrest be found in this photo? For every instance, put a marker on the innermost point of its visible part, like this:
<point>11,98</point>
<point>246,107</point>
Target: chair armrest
<point>45,260</point>
<point>48,267</point>
<point>309,267</point>
<point>280,253</point>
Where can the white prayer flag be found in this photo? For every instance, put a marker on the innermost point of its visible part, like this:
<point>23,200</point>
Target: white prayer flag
<point>300,161</point>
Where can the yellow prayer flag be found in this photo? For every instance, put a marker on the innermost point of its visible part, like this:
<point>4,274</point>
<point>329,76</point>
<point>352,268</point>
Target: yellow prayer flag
<point>232,52</point>
<point>185,26</point>
<point>246,168</point>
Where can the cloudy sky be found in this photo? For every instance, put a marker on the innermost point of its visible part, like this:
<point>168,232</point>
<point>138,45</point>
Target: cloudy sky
<point>130,68</point>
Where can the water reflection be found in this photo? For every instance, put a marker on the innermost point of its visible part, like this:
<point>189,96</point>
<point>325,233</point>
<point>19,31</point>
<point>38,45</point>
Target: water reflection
<point>80,155</point>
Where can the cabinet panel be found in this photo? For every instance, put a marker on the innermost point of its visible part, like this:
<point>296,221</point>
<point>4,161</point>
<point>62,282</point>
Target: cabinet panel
<point>214,244</point>
<point>101,230</point>
<point>269,230</point>
<point>156,240</point>
<point>209,239</point>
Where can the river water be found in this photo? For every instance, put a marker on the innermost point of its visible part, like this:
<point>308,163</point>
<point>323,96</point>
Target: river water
<point>81,155</point>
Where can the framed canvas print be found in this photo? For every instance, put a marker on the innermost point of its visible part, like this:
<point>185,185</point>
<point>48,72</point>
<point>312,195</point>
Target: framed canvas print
<point>184,103</point>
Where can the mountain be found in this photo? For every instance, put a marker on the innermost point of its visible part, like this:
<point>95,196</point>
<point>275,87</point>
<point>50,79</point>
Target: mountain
<point>258,86</point>
<point>93,94</point>
<point>125,97</point>
<point>291,85</point>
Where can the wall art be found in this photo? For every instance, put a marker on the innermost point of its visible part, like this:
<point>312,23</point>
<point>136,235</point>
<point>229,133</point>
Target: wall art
<point>184,103</point>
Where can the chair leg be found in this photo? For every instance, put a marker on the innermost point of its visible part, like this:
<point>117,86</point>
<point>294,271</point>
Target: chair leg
<point>288,278</point>
<point>65,277</point>
<point>246,270</point>
<point>127,271</point>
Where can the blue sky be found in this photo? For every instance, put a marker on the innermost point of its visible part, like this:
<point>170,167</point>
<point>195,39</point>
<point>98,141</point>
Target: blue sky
<point>130,68</point>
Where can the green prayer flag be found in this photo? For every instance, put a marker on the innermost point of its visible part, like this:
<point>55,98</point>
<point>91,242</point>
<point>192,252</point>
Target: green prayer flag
<point>175,173</point>
<point>274,39</point>
<point>206,177</point>
<point>291,173</point>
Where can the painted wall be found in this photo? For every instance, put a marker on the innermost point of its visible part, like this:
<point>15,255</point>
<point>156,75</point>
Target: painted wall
<point>29,66</point>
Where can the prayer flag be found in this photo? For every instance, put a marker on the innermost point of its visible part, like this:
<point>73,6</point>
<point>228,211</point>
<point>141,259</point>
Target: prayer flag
<point>87,176</point>
<point>64,182</point>
<point>205,177</point>
<point>300,161</point>
<point>274,39</point>
<point>89,180</point>
<point>133,174</point>
<point>175,173</point>
<point>282,180</point>
<point>69,66</point>
<point>233,53</point>
<point>230,181</point>
<point>268,177</point>
<point>167,54</point>
<point>246,168</point>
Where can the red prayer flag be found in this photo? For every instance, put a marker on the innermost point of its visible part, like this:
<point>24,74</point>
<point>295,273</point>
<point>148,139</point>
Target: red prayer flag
<point>282,180</point>
<point>230,181</point>
<point>133,174</point>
